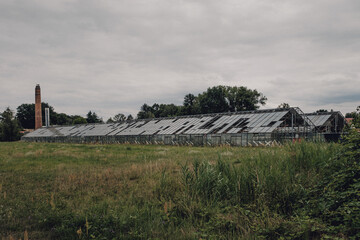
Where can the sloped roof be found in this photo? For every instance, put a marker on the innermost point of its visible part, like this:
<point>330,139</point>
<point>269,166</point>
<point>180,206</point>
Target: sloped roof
<point>260,121</point>
<point>319,119</point>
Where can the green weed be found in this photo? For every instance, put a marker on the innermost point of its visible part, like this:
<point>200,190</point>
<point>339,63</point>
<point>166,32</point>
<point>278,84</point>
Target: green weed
<point>76,191</point>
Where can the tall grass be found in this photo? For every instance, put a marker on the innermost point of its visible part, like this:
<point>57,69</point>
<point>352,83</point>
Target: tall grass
<point>268,179</point>
<point>74,191</point>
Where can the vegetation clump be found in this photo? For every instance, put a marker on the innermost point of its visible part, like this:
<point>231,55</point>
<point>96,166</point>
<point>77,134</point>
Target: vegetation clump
<point>74,191</point>
<point>9,126</point>
<point>336,198</point>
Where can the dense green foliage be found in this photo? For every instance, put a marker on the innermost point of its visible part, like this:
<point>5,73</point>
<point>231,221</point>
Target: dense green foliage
<point>69,191</point>
<point>159,110</point>
<point>79,120</point>
<point>120,118</point>
<point>216,99</point>
<point>26,116</point>
<point>354,114</point>
<point>284,105</point>
<point>92,117</point>
<point>9,127</point>
<point>336,198</point>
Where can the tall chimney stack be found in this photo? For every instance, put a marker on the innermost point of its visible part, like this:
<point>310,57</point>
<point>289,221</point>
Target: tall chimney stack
<point>38,116</point>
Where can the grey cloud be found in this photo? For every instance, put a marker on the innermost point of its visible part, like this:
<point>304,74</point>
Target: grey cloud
<point>116,55</point>
<point>341,98</point>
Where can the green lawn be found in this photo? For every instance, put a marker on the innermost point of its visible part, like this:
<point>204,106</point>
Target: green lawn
<point>78,191</point>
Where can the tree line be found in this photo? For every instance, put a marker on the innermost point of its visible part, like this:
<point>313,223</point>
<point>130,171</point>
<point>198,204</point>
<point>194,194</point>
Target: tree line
<point>214,100</point>
<point>26,116</point>
<point>217,99</point>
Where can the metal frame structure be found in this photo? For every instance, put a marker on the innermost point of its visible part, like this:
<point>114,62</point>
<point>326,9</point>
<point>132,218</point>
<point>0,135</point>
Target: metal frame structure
<point>328,122</point>
<point>258,127</point>
<point>329,125</point>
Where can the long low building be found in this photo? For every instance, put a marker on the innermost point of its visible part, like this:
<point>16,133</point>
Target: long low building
<point>260,127</point>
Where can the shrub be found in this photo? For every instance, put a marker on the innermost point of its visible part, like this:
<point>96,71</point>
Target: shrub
<point>336,199</point>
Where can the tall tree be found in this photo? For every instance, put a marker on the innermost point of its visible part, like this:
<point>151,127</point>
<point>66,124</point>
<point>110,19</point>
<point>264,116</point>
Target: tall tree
<point>62,119</point>
<point>230,99</point>
<point>355,115</point>
<point>9,127</point>
<point>356,120</point>
<point>129,117</point>
<point>78,120</point>
<point>214,100</point>
<point>243,99</point>
<point>145,115</point>
<point>321,111</point>
<point>110,120</point>
<point>119,117</point>
<point>26,114</point>
<point>190,105</point>
<point>168,110</point>
<point>92,117</point>
<point>284,105</point>
<point>159,110</point>
<point>146,111</point>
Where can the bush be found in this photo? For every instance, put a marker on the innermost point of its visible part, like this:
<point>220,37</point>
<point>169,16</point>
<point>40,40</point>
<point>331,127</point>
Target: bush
<point>336,199</point>
<point>9,127</point>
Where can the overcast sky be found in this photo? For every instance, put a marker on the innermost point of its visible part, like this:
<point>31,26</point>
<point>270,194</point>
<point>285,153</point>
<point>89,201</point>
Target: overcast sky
<point>112,56</point>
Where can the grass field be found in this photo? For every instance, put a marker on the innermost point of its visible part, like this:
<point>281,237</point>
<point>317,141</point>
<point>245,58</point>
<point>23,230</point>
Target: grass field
<point>75,191</point>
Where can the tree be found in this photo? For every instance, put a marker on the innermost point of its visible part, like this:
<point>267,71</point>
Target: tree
<point>214,100</point>
<point>321,111</point>
<point>158,110</point>
<point>355,115</point>
<point>63,119</point>
<point>92,117</point>
<point>243,99</point>
<point>145,115</point>
<point>190,105</point>
<point>110,120</point>
<point>119,117</point>
<point>9,127</point>
<point>189,100</point>
<point>168,110</point>
<point>284,105</point>
<point>350,115</point>
<point>145,112</point>
<point>26,114</point>
<point>230,99</point>
<point>79,120</point>
<point>356,120</point>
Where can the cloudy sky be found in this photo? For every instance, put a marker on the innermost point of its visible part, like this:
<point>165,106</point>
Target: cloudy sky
<point>112,56</point>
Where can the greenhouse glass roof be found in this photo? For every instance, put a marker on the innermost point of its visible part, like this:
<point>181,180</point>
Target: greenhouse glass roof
<point>260,121</point>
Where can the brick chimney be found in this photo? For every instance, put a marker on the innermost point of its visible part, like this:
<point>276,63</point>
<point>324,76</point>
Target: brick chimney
<point>38,116</point>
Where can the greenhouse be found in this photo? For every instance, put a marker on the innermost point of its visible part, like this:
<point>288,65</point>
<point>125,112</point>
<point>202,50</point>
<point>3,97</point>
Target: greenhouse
<point>259,127</point>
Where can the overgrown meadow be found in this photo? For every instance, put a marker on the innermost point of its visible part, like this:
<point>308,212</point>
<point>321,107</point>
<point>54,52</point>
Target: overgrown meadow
<point>76,191</point>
